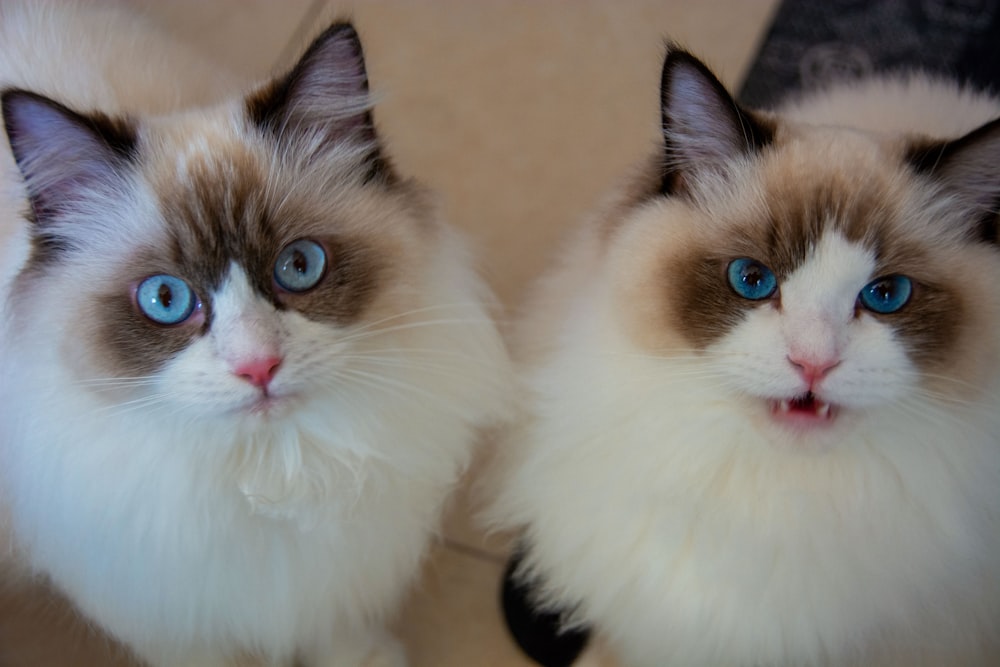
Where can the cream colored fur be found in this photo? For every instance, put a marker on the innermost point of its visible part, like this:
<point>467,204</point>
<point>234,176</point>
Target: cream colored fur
<point>660,504</point>
<point>181,521</point>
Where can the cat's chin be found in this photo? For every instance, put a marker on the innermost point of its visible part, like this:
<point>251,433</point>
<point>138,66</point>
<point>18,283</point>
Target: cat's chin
<point>804,412</point>
<point>266,406</point>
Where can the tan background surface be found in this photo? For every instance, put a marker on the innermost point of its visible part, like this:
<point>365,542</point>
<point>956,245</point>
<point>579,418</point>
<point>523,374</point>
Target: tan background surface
<point>521,114</point>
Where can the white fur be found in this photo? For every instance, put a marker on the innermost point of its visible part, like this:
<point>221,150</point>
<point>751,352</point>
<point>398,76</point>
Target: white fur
<point>660,503</point>
<point>181,522</point>
<point>663,506</point>
<point>193,528</point>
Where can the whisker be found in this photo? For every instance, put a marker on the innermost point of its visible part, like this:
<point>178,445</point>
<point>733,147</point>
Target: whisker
<point>137,381</point>
<point>134,405</point>
<point>399,388</point>
<point>415,364</point>
<point>411,353</point>
<point>418,311</point>
<point>370,333</point>
<point>961,384</point>
<point>675,354</point>
<point>952,402</point>
<point>109,387</point>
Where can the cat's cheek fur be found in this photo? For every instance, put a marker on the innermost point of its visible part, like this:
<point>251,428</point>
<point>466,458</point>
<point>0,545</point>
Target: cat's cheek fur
<point>325,517</point>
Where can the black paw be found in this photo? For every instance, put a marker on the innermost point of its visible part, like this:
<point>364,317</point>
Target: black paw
<point>538,633</point>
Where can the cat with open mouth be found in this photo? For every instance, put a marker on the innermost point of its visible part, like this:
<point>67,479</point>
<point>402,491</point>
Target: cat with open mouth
<point>765,387</point>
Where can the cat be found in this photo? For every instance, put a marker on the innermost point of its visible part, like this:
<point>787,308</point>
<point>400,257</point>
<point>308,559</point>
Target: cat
<point>244,360</point>
<point>765,387</point>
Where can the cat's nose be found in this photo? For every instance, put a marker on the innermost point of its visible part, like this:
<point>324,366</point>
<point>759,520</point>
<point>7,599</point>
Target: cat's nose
<point>813,370</point>
<point>258,372</point>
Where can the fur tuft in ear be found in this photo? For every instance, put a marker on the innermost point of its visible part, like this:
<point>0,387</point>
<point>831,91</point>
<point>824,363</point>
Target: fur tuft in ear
<point>323,102</point>
<point>64,155</point>
<point>703,126</point>
<point>969,169</point>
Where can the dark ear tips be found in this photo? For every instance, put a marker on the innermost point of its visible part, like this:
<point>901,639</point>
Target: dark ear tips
<point>64,155</point>
<point>326,89</point>
<point>703,126</point>
<point>969,169</point>
<point>324,100</point>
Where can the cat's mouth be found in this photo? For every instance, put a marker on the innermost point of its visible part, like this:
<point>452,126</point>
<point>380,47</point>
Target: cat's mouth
<point>804,410</point>
<point>266,405</point>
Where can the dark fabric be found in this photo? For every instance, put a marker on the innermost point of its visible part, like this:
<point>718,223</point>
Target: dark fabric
<point>813,41</point>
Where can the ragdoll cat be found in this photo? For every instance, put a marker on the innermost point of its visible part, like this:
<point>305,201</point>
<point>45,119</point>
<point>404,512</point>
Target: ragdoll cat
<point>243,365</point>
<point>766,420</point>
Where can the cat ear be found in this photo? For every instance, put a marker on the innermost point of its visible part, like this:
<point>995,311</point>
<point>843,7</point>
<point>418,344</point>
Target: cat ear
<point>323,103</point>
<point>703,126</point>
<point>969,169</point>
<point>64,156</point>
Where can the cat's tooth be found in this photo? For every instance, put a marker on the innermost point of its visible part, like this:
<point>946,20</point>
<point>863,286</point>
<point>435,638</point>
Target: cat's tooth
<point>784,405</point>
<point>823,410</point>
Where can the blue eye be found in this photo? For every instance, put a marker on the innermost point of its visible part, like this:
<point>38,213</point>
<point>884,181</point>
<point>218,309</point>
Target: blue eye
<point>886,295</point>
<point>165,299</point>
<point>751,279</point>
<point>300,266</point>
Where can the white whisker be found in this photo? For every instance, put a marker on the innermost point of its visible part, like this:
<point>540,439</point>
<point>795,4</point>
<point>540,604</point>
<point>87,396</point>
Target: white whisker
<point>370,332</point>
<point>396,387</point>
<point>151,401</point>
<point>418,353</point>
<point>417,311</point>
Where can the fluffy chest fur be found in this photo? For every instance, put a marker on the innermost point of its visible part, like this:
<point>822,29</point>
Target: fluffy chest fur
<point>254,535</point>
<point>244,366</point>
<point>765,383</point>
<point>703,516</point>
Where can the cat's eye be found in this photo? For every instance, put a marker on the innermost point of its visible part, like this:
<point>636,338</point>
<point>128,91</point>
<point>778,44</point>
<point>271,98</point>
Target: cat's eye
<point>165,299</point>
<point>300,266</point>
<point>887,294</point>
<point>751,279</point>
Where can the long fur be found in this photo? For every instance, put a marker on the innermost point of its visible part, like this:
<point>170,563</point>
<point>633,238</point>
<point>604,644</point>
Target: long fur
<point>656,498</point>
<point>177,516</point>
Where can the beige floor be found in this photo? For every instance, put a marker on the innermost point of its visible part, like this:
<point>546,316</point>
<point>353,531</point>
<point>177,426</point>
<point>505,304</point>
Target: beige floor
<point>520,113</point>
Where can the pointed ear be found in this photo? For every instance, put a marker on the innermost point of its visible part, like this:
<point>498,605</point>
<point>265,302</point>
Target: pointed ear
<point>969,169</point>
<point>703,126</point>
<point>324,101</point>
<point>63,155</point>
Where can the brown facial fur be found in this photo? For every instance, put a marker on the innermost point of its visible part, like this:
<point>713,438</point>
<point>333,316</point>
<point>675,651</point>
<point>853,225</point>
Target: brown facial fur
<point>223,210</point>
<point>676,295</point>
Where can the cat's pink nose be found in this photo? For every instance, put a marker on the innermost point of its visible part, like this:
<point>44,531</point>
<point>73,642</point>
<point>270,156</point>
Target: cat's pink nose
<point>258,372</point>
<point>813,370</point>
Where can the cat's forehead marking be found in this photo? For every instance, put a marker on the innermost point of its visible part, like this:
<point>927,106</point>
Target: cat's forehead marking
<point>243,324</point>
<point>195,151</point>
<point>226,210</point>
<point>216,212</point>
<point>812,188</point>
<point>827,282</point>
<point>812,193</point>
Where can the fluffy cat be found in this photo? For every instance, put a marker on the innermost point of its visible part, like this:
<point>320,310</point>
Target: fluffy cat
<point>766,421</point>
<point>244,362</point>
